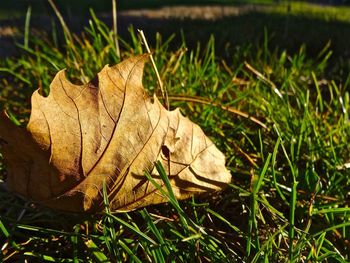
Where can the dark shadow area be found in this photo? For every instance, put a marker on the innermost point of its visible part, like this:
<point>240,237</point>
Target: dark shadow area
<point>80,7</point>
<point>103,5</point>
<point>285,33</point>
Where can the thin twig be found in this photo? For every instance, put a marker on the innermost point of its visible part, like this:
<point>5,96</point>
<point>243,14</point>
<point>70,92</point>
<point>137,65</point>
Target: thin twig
<point>160,83</point>
<point>226,108</point>
<point>115,28</point>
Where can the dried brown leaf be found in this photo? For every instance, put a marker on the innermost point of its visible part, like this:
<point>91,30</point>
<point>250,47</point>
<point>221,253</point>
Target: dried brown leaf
<point>108,130</point>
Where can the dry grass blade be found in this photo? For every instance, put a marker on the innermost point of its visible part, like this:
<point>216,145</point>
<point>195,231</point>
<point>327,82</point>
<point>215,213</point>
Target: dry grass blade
<point>164,92</point>
<point>60,17</point>
<point>263,78</point>
<point>226,108</point>
<point>115,27</point>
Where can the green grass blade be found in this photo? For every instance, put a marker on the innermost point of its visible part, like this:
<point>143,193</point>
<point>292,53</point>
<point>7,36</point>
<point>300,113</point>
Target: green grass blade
<point>97,254</point>
<point>132,229</point>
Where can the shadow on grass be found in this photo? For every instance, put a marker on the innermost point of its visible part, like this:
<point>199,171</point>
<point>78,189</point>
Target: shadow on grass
<point>284,32</point>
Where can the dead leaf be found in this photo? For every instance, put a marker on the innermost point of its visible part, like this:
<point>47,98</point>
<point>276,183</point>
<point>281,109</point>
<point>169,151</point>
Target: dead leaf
<point>111,131</point>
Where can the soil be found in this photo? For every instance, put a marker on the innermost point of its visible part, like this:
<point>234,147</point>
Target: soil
<point>192,12</point>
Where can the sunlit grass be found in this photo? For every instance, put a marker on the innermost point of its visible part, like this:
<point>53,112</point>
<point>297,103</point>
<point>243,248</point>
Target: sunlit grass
<point>290,190</point>
<point>312,11</point>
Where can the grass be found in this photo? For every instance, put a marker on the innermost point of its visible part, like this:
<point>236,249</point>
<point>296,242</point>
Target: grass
<point>297,8</point>
<point>288,29</point>
<point>289,200</point>
<point>79,7</point>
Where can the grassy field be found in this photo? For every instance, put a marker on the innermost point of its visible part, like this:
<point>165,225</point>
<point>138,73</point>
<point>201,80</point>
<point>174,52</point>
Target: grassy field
<point>289,198</point>
<point>79,7</point>
<point>328,12</point>
<point>288,29</point>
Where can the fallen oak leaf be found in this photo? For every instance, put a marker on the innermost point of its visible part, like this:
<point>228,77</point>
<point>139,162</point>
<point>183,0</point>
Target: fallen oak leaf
<point>107,131</point>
